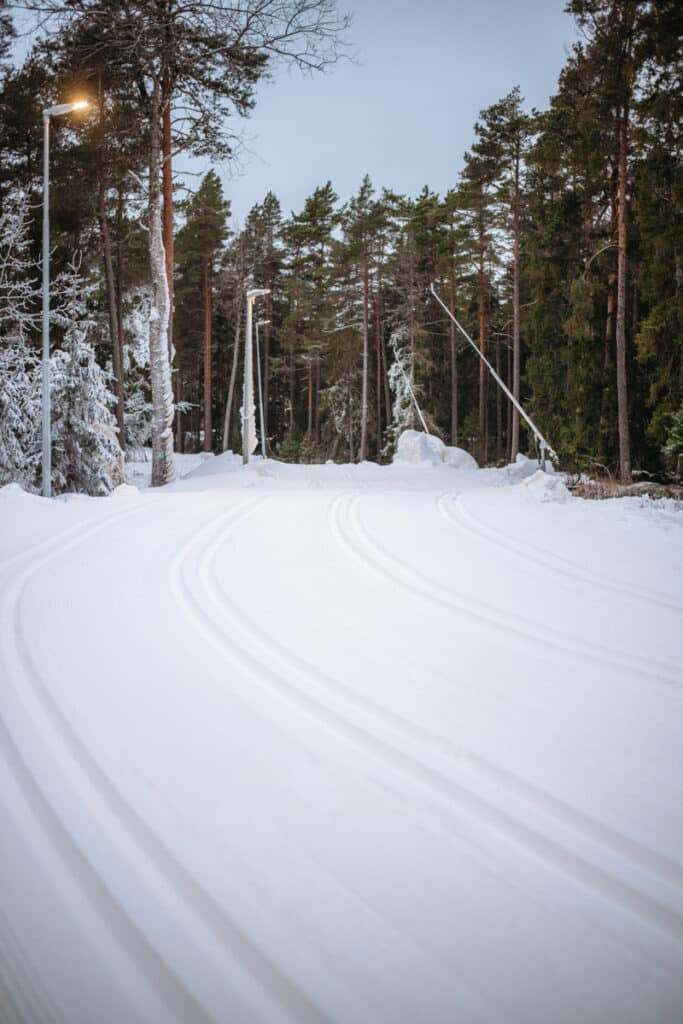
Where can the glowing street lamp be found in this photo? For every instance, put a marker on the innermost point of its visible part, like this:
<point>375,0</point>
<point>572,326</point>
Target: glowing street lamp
<point>61,108</point>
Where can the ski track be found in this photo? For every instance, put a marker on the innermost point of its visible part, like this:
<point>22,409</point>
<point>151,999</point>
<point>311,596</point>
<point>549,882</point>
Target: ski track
<point>180,1003</point>
<point>17,976</point>
<point>104,903</point>
<point>453,509</point>
<point>366,549</point>
<point>237,640</point>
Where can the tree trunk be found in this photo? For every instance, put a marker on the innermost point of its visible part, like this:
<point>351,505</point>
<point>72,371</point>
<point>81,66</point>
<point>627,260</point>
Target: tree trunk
<point>499,408</point>
<point>168,213</point>
<point>387,389</point>
<point>208,428</point>
<point>378,350</point>
<point>119,262</point>
<point>310,397</point>
<point>266,376</point>
<point>233,378</point>
<point>482,348</point>
<point>363,455</point>
<point>622,390</point>
<point>317,399</point>
<point>516,341</point>
<point>509,403</point>
<point>163,465</point>
<point>454,367</point>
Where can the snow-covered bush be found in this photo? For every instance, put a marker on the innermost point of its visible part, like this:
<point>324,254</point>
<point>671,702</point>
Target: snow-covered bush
<point>400,382</point>
<point>86,455</point>
<point>20,409</point>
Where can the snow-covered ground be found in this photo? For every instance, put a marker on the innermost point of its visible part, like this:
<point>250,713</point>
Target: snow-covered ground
<point>363,744</point>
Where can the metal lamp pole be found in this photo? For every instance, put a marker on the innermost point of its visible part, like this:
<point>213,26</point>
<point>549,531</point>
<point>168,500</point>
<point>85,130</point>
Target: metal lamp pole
<point>61,108</point>
<point>261,323</point>
<point>252,294</point>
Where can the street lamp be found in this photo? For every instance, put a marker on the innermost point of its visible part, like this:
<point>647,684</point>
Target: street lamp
<point>247,397</point>
<point>61,108</point>
<point>261,323</point>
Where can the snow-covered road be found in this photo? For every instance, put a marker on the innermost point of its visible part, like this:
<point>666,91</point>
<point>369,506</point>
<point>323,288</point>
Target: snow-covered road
<point>357,744</point>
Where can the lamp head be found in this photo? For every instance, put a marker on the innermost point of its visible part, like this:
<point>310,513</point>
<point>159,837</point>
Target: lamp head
<point>65,108</point>
<point>254,293</point>
<point>262,323</point>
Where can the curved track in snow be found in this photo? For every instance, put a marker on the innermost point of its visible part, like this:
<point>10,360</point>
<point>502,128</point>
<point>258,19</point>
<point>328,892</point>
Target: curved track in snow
<point>315,796</point>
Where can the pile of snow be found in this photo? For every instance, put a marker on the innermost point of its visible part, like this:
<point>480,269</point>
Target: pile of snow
<point>139,468</point>
<point>545,487</point>
<point>523,467</point>
<point>421,449</point>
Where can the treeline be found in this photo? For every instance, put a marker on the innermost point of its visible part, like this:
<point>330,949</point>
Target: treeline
<point>559,248</point>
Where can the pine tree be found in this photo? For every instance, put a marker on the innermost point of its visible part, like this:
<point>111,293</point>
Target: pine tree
<point>198,247</point>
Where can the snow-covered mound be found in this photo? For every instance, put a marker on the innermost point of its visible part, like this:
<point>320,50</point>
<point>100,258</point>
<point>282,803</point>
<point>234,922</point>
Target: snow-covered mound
<point>420,449</point>
<point>523,467</point>
<point>545,487</point>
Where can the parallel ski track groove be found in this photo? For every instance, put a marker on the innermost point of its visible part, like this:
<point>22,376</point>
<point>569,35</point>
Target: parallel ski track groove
<point>453,793</point>
<point>456,513</point>
<point>110,911</point>
<point>170,988</point>
<point>659,866</point>
<point>391,567</point>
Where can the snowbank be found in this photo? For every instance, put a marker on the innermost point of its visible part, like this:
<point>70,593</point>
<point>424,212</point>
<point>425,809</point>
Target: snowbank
<point>420,449</point>
<point>545,487</point>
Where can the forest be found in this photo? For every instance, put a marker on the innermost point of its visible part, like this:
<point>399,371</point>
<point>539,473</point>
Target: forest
<point>559,248</point>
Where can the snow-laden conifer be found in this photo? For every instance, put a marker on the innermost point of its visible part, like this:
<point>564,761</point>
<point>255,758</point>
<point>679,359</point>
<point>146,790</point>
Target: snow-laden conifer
<point>19,364</point>
<point>86,455</point>
<point>400,382</point>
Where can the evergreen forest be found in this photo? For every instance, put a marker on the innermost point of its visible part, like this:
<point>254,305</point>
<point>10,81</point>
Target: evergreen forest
<point>559,248</point>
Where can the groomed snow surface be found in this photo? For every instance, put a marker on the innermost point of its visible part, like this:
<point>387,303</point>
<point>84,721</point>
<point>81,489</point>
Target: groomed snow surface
<point>349,743</point>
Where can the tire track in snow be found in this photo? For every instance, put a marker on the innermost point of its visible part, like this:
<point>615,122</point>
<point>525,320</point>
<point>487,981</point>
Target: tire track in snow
<point>180,1002</point>
<point>366,549</point>
<point>250,649</point>
<point>456,513</point>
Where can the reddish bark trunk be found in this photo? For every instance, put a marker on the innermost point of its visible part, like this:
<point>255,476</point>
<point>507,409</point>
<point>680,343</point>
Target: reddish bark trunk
<point>208,432</point>
<point>622,387</point>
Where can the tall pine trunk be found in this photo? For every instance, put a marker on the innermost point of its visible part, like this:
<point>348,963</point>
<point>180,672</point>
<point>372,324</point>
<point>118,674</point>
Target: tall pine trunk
<point>622,388</point>
<point>516,340</point>
<point>363,455</point>
<point>483,418</point>
<point>163,465</point>
<point>454,366</point>
<point>208,426</point>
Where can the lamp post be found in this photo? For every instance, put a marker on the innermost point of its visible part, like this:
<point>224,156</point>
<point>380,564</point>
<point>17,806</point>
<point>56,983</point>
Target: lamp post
<point>252,295</point>
<point>261,323</point>
<point>61,108</point>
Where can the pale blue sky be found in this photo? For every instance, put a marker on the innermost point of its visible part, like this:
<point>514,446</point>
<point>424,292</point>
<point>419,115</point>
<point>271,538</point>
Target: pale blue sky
<point>405,113</point>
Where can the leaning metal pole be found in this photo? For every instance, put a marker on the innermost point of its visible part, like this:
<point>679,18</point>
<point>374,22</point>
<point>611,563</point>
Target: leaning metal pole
<point>543,445</point>
<point>47,439</point>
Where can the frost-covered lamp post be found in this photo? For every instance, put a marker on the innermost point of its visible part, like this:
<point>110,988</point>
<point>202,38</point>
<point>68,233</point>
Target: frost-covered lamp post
<point>261,323</point>
<point>247,392</point>
<point>61,108</point>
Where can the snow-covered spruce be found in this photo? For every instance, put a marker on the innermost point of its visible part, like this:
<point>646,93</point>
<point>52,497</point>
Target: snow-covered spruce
<point>86,455</point>
<point>19,366</point>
